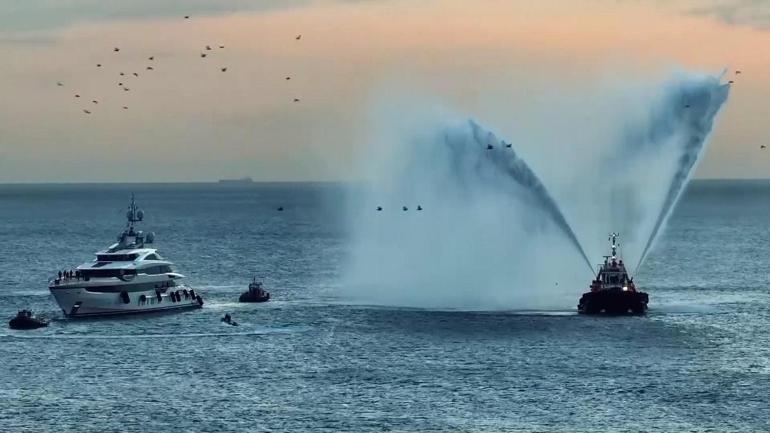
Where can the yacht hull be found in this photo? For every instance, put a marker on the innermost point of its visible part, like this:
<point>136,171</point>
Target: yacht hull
<point>80,302</point>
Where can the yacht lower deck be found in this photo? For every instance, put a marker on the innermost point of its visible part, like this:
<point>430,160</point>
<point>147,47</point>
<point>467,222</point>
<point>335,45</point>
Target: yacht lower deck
<point>83,302</point>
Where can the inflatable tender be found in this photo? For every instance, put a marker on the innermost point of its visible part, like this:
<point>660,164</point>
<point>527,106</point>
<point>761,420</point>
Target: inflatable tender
<point>26,320</point>
<point>229,320</point>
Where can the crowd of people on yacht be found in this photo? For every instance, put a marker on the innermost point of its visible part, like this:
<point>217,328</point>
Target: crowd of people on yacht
<point>68,275</point>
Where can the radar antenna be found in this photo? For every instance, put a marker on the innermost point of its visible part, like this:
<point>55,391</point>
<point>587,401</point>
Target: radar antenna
<point>129,237</point>
<point>134,215</point>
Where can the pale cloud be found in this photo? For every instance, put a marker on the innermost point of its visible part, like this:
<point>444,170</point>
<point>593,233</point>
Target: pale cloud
<point>53,14</point>
<point>753,13</point>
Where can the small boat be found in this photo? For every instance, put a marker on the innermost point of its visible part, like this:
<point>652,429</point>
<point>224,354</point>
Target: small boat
<point>26,320</point>
<point>255,294</point>
<point>229,320</point>
<point>237,182</point>
<point>613,291</point>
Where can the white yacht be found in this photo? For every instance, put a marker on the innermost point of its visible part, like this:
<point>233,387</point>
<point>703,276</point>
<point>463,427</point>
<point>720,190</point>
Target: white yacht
<point>126,278</point>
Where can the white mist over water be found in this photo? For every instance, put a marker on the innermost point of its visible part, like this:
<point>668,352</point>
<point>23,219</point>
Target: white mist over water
<point>632,182</point>
<point>490,235</point>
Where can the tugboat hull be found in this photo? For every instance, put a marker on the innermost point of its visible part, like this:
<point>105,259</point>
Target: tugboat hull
<point>248,297</point>
<point>613,302</point>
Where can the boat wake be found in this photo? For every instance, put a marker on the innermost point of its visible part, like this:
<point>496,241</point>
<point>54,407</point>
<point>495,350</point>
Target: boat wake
<point>78,336</point>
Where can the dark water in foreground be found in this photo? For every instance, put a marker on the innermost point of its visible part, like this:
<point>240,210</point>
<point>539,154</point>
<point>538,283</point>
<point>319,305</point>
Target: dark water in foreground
<point>700,361</point>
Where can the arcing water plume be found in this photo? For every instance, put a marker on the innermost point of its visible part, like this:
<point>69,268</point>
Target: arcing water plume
<point>489,235</point>
<point>508,162</point>
<point>638,161</point>
<point>683,121</point>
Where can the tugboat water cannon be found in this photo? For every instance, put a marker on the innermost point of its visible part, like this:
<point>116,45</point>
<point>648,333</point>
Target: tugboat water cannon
<point>613,291</point>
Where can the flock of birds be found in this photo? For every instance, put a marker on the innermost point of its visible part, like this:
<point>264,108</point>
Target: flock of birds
<point>379,208</point>
<point>122,82</point>
<point>403,208</point>
<point>738,72</point>
<point>490,146</point>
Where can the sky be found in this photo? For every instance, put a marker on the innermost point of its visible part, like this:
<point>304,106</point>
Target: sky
<point>187,120</point>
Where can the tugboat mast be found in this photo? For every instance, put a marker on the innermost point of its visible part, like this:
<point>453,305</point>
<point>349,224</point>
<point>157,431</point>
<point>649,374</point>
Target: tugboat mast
<point>614,245</point>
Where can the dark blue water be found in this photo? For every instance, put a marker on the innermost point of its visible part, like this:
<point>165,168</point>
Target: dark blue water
<point>307,361</point>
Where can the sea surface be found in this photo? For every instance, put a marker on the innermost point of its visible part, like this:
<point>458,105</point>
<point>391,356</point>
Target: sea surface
<point>308,361</point>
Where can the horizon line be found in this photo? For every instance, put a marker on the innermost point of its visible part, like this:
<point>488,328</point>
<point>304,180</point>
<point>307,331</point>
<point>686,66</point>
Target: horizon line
<point>256,182</point>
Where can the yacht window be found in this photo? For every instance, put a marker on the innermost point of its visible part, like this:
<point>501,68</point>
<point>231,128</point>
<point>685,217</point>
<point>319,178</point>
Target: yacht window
<point>152,256</point>
<point>106,273</point>
<point>116,257</point>
<point>155,270</point>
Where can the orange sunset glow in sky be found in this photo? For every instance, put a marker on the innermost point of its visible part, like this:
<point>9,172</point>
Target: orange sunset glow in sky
<point>187,120</point>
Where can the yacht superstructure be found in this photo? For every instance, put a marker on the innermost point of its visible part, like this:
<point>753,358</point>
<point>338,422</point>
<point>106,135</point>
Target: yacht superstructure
<point>126,278</point>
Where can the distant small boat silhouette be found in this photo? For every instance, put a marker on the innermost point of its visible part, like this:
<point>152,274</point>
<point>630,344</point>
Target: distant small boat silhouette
<point>242,181</point>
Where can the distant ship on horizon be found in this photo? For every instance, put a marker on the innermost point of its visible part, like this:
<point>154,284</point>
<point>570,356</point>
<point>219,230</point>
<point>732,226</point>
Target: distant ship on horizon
<point>242,181</point>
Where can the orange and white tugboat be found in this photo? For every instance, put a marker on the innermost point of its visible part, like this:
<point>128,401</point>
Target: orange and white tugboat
<point>613,291</point>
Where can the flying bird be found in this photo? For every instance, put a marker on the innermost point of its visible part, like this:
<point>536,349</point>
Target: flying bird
<point>224,69</point>
<point>95,101</point>
<point>298,37</point>
<point>135,74</point>
<point>120,84</point>
<point>125,108</point>
<point>98,65</point>
<point>490,147</point>
<point>280,209</point>
<point>149,68</point>
<point>126,89</point>
<point>187,17</point>
<point>77,96</point>
<point>122,74</point>
<point>221,46</point>
<point>508,145</point>
<point>296,99</point>
<point>730,82</point>
<point>86,111</point>
<point>203,54</point>
<point>405,208</point>
<point>762,146</point>
<point>116,49</point>
<point>208,47</point>
<point>737,72</point>
<point>379,208</point>
<point>151,58</point>
<point>419,207</point>
<point>288,78</point>
<point>59,83</point>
